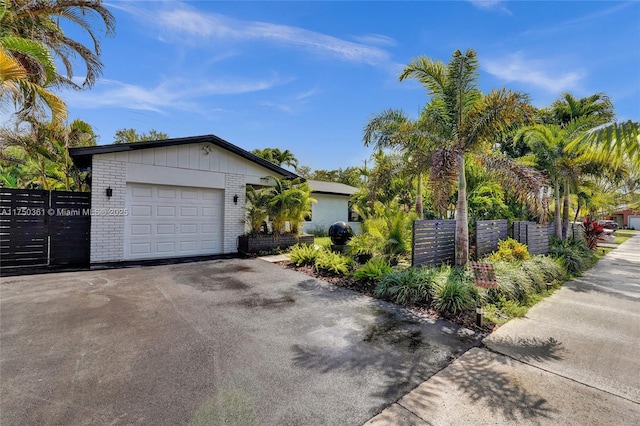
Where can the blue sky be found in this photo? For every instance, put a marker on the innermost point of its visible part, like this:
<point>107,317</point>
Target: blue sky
<point>307,76</point>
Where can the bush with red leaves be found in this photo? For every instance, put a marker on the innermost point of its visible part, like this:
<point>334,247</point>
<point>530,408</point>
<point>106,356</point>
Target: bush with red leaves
<point>592,232</point>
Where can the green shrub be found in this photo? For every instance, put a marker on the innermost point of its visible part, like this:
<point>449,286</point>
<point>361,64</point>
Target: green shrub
<point>332,263</point>
<point>455,294</point>
<point>373,270</point>
<point>363,244</point>
<point>302,254</point>
<point>574,254</point>
<point>322,241</point>
<point>510,250</point>
<point>410,286</point>
<point>513,280</point>
<point>551,268</point>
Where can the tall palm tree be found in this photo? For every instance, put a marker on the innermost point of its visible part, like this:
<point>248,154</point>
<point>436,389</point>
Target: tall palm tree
<point>392,129</point>
<point>461,120</point>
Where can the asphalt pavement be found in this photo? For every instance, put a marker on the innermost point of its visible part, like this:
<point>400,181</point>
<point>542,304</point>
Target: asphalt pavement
<point>235,342</point>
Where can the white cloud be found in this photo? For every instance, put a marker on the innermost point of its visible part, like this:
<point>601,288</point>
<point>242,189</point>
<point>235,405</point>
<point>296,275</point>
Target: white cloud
<point>171,94</point>
<point>498,5</point>
<point>541,74</point>
<point>378,39</point>
<point>197,26</point>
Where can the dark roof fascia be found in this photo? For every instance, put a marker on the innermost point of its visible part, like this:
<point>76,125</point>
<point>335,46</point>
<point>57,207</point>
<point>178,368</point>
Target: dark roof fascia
<point>332,193</point>
<point>81,156</point>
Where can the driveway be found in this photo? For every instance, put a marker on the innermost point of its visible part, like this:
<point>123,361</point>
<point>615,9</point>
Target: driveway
<point>242,341</point>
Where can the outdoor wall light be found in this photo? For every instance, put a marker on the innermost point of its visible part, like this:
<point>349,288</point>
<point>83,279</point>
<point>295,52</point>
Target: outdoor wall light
<point>109,192</point>
<point>235,199</point>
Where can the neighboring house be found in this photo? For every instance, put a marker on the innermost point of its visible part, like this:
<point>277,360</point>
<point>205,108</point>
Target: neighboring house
<point>333,206</point>
<point>627,218</point>
<point>170,198</point>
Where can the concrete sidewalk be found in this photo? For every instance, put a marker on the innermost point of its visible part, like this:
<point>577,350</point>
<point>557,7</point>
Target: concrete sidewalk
<point>574,360</point>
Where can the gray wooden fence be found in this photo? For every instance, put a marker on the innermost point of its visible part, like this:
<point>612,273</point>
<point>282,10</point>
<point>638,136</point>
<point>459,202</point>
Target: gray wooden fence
<point>488,234</point>
<point>433,242</point>
<point>534,235</point>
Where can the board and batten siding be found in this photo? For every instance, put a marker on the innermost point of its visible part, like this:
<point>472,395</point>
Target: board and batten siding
<point>189,165</point>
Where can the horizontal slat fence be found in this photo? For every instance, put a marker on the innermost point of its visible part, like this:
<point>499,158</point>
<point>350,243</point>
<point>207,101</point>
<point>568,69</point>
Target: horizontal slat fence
<point>534,235</point>
<point>43,228</point>
<point>488,234</point>
<point>23,227</point>
<point>433,242</point>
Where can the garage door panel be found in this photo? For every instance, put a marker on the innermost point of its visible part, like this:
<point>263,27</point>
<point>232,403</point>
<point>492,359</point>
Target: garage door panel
<point>141,229</point>
<point>191,228</point>
<point>189,195</point>
<point>166,211</point>
<point>166,193</point>
<point>172,221</point>
<point>141,248</point>
<point>142,191</point>
<point>165,229</point>
<point>188,211</point>
<point>138,210</point>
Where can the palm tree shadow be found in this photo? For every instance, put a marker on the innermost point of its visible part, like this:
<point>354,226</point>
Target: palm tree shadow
<point>527,349</point>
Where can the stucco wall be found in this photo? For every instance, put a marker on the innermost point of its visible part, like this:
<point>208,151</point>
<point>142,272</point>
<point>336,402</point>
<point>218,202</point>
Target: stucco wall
<point>181,165</point>
<point>329,209</point>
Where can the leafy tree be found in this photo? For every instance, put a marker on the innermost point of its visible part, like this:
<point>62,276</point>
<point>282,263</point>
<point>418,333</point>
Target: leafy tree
<point>37,156</point>
<point>131,135</point>
<point>461,120</point>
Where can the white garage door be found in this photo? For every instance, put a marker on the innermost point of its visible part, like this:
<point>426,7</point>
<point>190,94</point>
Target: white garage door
<point>172,221</point>
<point>633,222</point>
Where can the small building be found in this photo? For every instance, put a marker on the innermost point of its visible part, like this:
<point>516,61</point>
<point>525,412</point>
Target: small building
<point>170,198</point>
<point>333,206</point>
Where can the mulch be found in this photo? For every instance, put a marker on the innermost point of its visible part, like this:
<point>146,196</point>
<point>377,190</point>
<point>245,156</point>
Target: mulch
<point>465,319</point>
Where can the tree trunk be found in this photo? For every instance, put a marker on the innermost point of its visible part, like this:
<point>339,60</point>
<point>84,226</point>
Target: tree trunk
<point>419,210</point>
<point>557,223</point>
<point>565,211</point>
<point>462,225</point>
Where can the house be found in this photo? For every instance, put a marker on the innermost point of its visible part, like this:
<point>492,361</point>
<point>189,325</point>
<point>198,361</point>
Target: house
<point>333,206</point>
<point>626,218</point>
<point>170,198</point>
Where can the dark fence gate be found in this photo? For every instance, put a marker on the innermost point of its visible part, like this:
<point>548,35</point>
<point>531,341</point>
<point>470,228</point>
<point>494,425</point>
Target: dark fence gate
<point>433,242</point>
<point>39,228</point>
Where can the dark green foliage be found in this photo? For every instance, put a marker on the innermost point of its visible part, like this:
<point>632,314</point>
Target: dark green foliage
<point>410,286</point>
<point>373,270</point>
<point>455,293</point>
<point>302,254</point>
<point>574,254</point>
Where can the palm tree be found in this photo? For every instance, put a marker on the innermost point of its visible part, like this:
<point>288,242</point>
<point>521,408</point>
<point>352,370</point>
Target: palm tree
<point>461,120</point>
<point>392,129</point>
<point>276,156</point>
<point>31,40</point>
<point>41,21</point>
<point>26,70</point>
<point>42,152</point>
<point>617,144</point>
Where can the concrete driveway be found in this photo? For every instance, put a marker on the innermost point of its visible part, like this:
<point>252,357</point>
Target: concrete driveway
<point>241,341</point>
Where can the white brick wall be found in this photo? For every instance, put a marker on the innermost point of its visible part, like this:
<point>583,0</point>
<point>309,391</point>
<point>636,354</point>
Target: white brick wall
<point>234,214</point>
<point>107,230</point>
